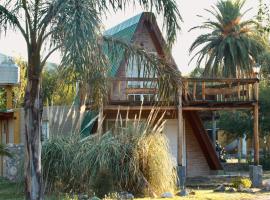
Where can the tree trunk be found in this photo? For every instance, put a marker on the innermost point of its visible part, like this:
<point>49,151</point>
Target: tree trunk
<point>33,115</point>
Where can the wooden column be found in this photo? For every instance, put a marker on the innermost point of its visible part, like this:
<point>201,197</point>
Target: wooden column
<point>203,90</point>
<point>256,134</point>
<point>100,120</point>
<point>9,97</point>
<point>180,134</point>
<point>17,121</point>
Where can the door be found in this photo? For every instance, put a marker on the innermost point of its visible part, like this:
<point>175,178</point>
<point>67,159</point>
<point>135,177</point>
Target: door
<point>170,130</point>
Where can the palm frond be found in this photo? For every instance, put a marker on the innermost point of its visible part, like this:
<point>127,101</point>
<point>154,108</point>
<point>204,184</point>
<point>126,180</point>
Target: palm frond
<point>9,18</point>
<point>230,47</point>
<point>4,151</point>
<point>164,69</point>
<point>168,8</point>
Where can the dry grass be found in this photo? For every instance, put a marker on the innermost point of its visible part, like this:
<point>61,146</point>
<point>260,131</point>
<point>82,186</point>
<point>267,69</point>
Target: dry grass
<point>133,156</point>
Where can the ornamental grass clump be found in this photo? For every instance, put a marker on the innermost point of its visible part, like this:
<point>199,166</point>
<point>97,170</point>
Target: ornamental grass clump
<point>132,156</point>
<point>241,182</point>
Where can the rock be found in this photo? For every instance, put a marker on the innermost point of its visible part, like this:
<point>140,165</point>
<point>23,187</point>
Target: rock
<point>220,188</point>
<point>192,192</point>
<point>265,189</point>
<point>255,174</point>
<point>266,183</point>
<point>240,188</point>
<point>83,197</point>
<point>182,193</point>
<point>126,196</point>
<point>248,190</point>
<point>95,198</point>
<point>167,195</point>
<point>231,189</point>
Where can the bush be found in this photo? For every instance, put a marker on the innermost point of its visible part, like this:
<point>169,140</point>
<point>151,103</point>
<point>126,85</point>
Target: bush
<point>265,161</point>
<point>245,182</point>
<point>134,156</point>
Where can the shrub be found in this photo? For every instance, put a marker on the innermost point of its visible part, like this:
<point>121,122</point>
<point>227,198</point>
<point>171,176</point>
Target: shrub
<point>265,161</point>
<point>134,156</point>
<point>245,182</point>
<point>4,151</point>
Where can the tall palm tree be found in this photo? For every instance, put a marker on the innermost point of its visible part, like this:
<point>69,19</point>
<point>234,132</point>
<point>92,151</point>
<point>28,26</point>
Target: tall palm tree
<point>230,47</point>
<point>74,28</point>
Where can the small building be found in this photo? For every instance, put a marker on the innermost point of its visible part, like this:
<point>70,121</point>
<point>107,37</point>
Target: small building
<point>9,118</point>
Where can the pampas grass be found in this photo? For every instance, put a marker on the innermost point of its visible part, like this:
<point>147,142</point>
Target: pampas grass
<point>133,155</point>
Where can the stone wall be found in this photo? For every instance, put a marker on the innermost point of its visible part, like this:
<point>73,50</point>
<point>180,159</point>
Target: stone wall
<point>13,167</point>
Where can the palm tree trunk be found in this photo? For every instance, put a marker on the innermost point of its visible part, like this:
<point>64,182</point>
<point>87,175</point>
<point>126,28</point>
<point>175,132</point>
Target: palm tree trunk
<point>33,116</point>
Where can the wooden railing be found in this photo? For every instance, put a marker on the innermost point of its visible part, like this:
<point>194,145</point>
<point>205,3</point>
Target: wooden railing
<point>133,89</point>
<point>194,89</point>
<point>220,90</point>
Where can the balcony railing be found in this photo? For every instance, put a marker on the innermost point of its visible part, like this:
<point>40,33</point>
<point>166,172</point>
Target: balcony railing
<point>125,89</point>
<point>133,89</point>
<point>220,90</point>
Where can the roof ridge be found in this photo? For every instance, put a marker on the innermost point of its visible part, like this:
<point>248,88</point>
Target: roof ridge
<point>123,25</point>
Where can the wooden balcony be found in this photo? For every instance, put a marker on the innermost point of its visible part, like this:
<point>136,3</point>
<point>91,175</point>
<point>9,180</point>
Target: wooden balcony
<point>198,93</point>
<point>222,93</point>
<point>133,91</point>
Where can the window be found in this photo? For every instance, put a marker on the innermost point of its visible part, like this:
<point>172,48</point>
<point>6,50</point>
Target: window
<point>136,70</point>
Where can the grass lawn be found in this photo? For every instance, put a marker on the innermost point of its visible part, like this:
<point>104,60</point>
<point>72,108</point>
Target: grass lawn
<point>14,191</point>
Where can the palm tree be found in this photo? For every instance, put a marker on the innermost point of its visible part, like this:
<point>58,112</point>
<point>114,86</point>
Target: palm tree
<point>73,27</point>
<point>230,47</point>
<point>4,151</point>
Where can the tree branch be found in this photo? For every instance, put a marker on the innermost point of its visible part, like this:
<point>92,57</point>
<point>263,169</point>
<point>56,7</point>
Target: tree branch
<point>52,11</point>
<point>27,15</point>
<point>14,20</point>
<point>36,14</point>
<point>49,54</point>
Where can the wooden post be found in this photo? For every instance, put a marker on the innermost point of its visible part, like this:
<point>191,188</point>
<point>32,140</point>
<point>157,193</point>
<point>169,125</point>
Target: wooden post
<point>194,90</point>
<point>180,130</point>
<point>119,90</point>
<point>239,91</point>
<point>186,90</point>
<point>9,97</point>
<point>100,120</point>
<point>17,121</point>
<point>203,90</point>
<point>256,85</point>
<point>256,134</point>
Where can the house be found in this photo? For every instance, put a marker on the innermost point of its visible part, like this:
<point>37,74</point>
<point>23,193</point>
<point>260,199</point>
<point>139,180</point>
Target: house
<point>189,142</point>
<point>191,147</point>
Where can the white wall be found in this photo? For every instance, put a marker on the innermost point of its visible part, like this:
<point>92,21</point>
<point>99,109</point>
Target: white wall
<point>170,131</point>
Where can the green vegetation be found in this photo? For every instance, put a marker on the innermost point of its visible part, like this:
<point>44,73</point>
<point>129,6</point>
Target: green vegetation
<point>63,94</point>
<point>231,46</point>
<point>244,182</point>
<point>130,157</point>
<point>10,191</point>
<point>4,151</point>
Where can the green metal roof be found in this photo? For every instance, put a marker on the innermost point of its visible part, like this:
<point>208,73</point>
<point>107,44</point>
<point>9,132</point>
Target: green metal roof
<point>123,31</point>
<point>124,25</point>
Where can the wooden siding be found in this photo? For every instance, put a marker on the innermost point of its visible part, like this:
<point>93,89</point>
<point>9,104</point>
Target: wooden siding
<point>196,162</point>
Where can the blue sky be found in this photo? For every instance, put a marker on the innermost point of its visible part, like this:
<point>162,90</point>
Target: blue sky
<point>12,44</point>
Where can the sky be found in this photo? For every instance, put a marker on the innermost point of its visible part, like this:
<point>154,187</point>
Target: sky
<point>12,43</point>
